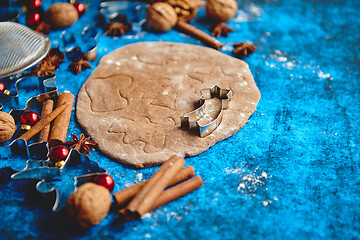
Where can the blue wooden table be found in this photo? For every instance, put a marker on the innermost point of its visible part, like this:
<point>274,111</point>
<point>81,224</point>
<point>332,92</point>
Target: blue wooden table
<point>291,172</point>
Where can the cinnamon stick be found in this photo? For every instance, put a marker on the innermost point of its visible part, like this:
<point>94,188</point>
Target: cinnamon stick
<point>124,196</point>
<point>143,201</point>
<point>46,110</point>
<point>176,192</point>
<point>198,34</point>
<point>170,195</point>
<point>60,125</point>
<point>44,122</point>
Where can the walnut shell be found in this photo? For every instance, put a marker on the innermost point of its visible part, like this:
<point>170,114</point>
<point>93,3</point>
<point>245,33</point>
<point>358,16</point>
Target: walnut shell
<point>161,16</point>
<point>61,15</point>
<point>221,10</point>
<point>7,126</point>
<point>89,204</point>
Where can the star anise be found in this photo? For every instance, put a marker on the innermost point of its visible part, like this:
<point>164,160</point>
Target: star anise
<point>221,29</point>
<point>55,57</point>
<point>51,62</point>
<point>116,29</point>
<point>82,144</point>
<point>77,66</point>
<point>43,27</point>
<point>43,69</point>
<point>243,49</point>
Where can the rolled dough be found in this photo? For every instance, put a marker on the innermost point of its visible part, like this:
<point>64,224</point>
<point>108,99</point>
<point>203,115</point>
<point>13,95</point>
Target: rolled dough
<point>131,104</point>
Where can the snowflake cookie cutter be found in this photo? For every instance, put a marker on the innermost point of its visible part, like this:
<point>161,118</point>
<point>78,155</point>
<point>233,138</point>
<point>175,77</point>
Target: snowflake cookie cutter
<point>191,119</point>
<point>46,84</point>
<point>77,169</point>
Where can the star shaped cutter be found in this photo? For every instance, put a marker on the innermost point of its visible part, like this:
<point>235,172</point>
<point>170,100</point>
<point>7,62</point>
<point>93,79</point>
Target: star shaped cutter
<point>191,119</point>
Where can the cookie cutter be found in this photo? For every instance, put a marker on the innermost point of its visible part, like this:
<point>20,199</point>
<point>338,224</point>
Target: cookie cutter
<point>33,103</point>
<point>136,10</point>
<point>35,153</point>
<point>191,119</point>
<point>46,84</point>
<point>62,180</point>
<point>86,40</point>
<point>77,169</point>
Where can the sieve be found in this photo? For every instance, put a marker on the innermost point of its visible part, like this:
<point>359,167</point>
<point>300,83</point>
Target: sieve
<point>20,48</point>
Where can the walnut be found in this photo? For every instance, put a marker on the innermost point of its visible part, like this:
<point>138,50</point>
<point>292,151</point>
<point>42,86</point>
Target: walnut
<point>161,16</point>
<point>185,9</point>
<point>7,126</point>
<point>221,10</point>
<point>61,15</point>
<point>89,204</point>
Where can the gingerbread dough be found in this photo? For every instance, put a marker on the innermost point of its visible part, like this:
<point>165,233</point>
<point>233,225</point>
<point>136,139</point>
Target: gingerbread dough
<point>131,104</point>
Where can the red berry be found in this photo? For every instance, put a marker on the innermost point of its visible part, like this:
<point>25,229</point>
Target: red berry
<point>106,181</point>
<point>29,118</point>
<point>35,4</point>
<point>2,87</point>
<point>80,8</point>
<point>33,19</point>
<point>37,17</point>
<point>59,153</point>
